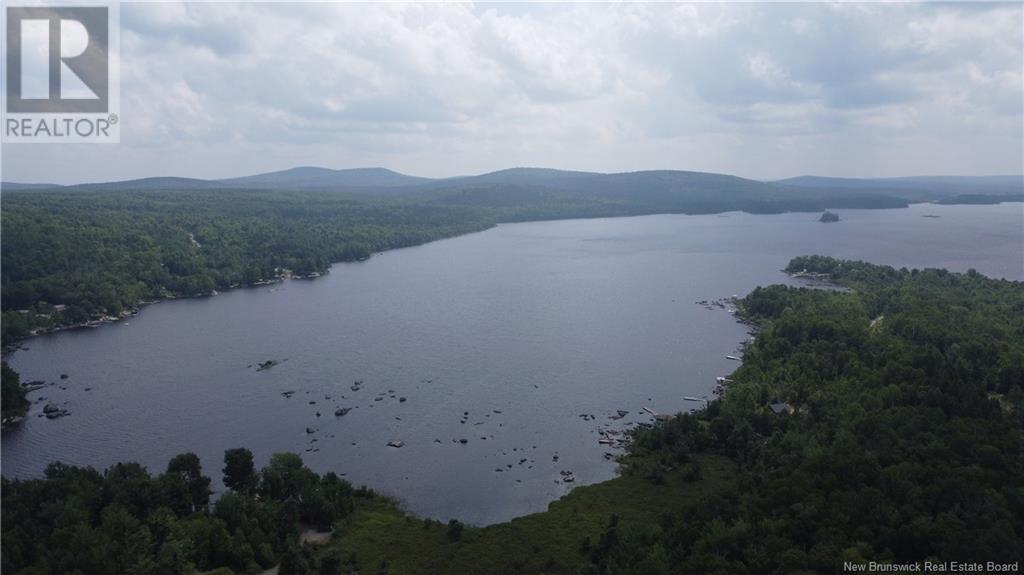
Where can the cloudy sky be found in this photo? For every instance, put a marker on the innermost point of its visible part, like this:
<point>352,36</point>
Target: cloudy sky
<point>762,91</point>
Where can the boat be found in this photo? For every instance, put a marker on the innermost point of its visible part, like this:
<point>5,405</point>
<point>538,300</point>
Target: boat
<point>732,357</point>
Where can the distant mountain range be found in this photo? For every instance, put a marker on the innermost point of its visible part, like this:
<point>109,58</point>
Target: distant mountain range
<point>931,187</point>
<point>313,178</point>
<point>301,178</point>
<point>669,189</point>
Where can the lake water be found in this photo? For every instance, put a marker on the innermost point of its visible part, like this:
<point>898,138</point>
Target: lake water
<point>525,326</point>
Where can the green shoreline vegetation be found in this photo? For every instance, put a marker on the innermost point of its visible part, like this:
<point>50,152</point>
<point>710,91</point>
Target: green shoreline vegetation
<point>84,256</point>
<point>74,258</point>
<point>882,422</point>
<point>88,253</point>
<point>13,401</point>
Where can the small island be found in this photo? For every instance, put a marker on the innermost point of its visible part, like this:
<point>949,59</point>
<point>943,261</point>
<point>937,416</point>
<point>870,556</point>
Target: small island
<point>828,217</point>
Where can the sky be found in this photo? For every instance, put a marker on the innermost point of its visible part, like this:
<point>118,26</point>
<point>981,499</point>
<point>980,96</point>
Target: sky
<point>762,91</point>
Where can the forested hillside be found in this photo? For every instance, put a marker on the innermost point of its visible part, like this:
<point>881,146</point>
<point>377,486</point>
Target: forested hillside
<point>904,442</point>
<point>878,423</point>
<point>79,254</point>
<point>74,254</point>
<point>70,257</point>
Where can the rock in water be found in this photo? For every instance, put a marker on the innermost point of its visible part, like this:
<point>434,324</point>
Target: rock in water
<point>267,365</point>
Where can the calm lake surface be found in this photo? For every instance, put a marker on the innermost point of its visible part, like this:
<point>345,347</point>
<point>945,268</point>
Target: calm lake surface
<point>525,326</point>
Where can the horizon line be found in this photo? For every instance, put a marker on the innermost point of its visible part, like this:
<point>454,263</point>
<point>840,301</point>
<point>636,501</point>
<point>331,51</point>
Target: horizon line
<point>298,167</point>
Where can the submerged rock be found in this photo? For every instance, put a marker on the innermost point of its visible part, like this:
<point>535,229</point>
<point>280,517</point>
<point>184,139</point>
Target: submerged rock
<point>619,414</point>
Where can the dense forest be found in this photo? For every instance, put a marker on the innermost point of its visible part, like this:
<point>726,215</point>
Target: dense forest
<point>878,422</point>
<point>75,255</point>
<point>13,401</point>
<point>69,258</point>
<point>896,434</point>
<point>125,520</point>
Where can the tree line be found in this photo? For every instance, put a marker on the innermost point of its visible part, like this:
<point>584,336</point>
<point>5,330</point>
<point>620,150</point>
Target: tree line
<point>883,421</point>
<point>125,520</point>
<point>904,442</point>
<point>12,394</point>
<point>73,256</point>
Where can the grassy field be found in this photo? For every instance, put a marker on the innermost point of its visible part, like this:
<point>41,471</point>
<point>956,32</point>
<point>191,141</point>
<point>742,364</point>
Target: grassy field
<point>377,538</point>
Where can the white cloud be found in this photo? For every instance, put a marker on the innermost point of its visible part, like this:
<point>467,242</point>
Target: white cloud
<point>225,89</point>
